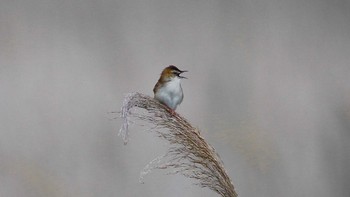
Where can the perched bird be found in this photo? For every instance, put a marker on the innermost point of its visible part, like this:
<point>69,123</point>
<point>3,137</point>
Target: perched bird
<point>168,89</point>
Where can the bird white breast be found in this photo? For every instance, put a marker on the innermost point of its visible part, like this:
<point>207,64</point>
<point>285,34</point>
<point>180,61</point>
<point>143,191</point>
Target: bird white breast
<point>171,93</point>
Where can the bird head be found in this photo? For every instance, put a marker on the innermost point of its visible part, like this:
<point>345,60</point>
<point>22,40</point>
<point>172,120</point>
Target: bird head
<point>171,72</point>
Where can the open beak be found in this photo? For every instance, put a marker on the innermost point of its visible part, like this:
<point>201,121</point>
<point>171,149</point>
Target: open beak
<point>183,71</point>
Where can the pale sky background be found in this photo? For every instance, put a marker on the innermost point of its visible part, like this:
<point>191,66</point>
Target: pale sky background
<point>269,87</point>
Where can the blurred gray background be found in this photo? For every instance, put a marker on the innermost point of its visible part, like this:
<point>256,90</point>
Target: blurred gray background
<point>269,87</point>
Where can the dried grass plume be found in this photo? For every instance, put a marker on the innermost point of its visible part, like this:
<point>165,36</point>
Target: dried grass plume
<point>189,154</point>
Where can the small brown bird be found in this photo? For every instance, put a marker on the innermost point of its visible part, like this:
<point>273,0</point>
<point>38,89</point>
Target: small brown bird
<point>168,89</point>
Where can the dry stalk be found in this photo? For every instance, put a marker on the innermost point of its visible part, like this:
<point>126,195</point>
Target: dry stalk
<point>189,154</point>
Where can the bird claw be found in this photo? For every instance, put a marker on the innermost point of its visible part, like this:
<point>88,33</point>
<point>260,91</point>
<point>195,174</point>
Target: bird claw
<point>171,111</point>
